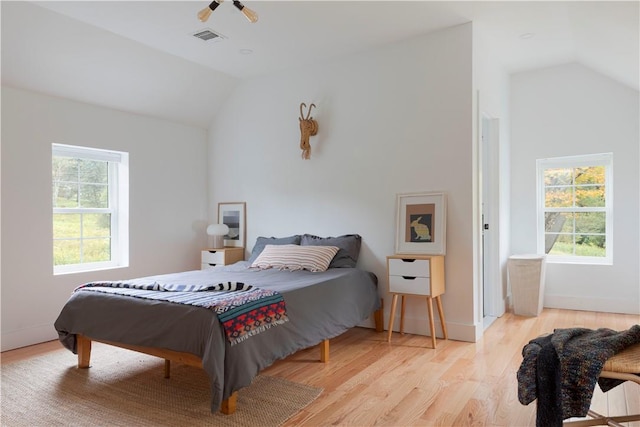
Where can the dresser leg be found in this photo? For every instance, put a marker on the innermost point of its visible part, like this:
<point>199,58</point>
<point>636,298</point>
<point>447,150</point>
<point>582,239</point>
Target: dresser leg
<point>441,314</point>
<point>402,316</point>
<point>432,324</point>
<point>392,314</point>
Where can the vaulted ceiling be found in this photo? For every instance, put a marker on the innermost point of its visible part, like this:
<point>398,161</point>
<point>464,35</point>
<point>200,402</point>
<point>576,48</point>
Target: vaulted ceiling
<point>142,57</point>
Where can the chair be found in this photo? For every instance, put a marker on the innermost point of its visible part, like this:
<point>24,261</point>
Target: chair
<point>622,366</point>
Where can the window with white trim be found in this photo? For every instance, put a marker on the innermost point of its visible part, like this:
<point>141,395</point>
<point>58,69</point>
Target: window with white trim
<point>90,193</point>
<point>575,208</point>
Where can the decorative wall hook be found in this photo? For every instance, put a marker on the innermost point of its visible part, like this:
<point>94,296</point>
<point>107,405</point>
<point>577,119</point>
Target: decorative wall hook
<point>308,127</point>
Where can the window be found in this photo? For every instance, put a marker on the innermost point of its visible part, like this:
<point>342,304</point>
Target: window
<point>575,208</point>
<point>90,192</point>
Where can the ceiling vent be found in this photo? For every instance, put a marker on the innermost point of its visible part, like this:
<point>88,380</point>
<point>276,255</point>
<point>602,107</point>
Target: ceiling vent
<point>208,35</point>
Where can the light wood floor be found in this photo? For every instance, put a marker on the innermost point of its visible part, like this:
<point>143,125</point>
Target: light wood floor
<point>406,383</point>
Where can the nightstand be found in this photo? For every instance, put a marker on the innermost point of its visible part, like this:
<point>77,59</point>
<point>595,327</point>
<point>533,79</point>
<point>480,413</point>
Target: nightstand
<point>221,256</point>
<point>416,275</point>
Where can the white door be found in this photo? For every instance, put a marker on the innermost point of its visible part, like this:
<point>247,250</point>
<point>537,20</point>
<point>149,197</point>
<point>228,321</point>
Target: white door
<point>486,209</point>
<point>491,287</point>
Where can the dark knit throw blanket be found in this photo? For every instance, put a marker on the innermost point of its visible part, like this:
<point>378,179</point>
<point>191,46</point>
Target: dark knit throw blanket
<point>561,370</point>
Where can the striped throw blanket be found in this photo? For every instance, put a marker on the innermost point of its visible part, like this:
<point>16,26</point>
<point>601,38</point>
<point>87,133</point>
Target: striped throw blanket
<point>243,310</point>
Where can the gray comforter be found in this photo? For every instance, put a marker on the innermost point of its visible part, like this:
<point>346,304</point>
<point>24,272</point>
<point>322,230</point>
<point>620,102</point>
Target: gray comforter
<point>319,305</point>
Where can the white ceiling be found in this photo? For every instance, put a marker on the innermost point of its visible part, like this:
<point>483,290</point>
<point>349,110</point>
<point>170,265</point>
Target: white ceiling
<point>141,56</point>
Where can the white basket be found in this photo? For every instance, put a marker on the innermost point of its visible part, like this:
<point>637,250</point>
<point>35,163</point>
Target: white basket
<point>526,275</point>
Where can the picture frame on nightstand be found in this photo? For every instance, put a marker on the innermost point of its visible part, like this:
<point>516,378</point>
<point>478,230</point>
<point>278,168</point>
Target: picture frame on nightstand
<point>234,215</point>
<point>421,221</point>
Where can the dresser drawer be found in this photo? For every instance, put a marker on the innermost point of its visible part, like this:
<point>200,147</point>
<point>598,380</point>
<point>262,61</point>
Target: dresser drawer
<point>222,256</point>
<point>213,257</point>
<point>410,285</point>
<point>414,268</point>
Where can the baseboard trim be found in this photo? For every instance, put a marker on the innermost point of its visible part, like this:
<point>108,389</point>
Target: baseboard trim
<point>420,326</point>
<point>28,336</point>
<point>604,305</point>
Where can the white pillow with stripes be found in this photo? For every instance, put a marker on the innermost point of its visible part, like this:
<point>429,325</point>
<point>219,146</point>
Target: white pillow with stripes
<point>296,257</point>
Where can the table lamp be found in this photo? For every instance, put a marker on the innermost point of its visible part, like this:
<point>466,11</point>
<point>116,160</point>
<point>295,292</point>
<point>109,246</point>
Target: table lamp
<point>218,231</point>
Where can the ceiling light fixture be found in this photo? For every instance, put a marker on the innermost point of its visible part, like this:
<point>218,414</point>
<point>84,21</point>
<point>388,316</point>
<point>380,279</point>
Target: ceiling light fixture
<point>248,13</point>
<point>205,13</point>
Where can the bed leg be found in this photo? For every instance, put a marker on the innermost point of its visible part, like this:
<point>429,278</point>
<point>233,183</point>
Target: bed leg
<point>83,346</point>
<point>324,351</point>
<point>167,368</point>
<point>229,405</point>
<point>378,317</point>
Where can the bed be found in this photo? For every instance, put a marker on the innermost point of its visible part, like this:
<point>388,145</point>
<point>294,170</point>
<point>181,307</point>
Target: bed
<point>319,306</point>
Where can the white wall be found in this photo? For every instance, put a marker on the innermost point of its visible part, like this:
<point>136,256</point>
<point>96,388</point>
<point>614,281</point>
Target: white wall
<point>397,119</point>
<point>572,110</point>
<point>168,207</point>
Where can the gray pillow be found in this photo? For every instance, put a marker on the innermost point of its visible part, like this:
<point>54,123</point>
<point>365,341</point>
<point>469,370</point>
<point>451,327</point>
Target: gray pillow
<point>261,242</point>
<point>349,245</point>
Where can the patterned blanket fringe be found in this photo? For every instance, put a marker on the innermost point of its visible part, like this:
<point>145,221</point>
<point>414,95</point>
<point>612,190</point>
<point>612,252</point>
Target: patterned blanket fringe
<point>258,330</point>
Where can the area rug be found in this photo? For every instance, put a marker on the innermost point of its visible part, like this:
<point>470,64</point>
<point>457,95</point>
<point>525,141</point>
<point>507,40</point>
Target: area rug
<point>125,388</point>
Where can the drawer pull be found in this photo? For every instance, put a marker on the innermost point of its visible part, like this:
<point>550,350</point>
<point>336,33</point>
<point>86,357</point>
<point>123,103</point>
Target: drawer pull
<point>409,277</point>
<point>212,265</point>
<point>408,259</point>
<point>212,252</point>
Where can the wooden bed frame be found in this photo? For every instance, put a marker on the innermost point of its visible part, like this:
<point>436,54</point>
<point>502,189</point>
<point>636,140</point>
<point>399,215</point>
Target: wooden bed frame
<point>228,405</point>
